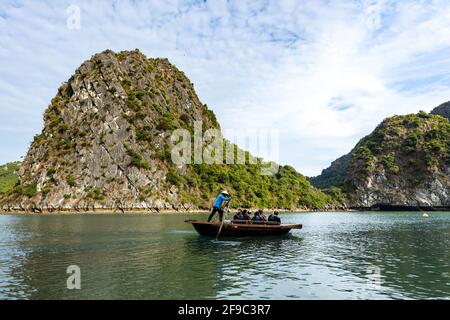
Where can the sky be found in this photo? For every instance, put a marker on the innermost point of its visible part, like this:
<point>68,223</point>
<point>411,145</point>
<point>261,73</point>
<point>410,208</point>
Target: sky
<point>321,73</point>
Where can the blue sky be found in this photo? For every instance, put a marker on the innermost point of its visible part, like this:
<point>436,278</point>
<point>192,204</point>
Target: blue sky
<point>324,73</point>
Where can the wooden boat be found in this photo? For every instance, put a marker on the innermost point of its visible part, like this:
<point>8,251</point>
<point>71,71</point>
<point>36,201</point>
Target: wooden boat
<point>242,228</point>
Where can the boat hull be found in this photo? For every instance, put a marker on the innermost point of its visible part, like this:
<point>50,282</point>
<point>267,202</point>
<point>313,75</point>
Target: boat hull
<point>242,229</point>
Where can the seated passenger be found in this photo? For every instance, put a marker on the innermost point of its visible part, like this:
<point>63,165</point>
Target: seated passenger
<point>245,215</point>
<point>274,217</point>
<point>259,216</point>
<point>241,215</point>
<point>238,215</point>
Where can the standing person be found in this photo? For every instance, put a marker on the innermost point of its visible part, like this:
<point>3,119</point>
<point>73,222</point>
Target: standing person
<point>218,204</point>
<point>274,217</point>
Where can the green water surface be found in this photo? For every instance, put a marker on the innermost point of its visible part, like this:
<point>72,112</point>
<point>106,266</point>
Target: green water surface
<point>356,255</point>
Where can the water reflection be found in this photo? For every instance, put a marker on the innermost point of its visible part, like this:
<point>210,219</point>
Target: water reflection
<point>160,257</point>
<point>240,263</point>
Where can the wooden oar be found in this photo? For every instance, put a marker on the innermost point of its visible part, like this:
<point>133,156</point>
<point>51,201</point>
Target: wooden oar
<point>223,219</point>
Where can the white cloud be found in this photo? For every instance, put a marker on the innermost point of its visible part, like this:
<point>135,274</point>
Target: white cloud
<point>323,72</point>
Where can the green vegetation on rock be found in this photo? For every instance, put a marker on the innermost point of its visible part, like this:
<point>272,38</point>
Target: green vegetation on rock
<point>286,189</point>
<point>106,138</point>
<point>406,159</point>
<point>9,176</point>
<point>411,144</point>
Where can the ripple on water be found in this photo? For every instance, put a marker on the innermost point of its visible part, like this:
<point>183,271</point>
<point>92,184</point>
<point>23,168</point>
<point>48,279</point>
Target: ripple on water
<point>160,257</point>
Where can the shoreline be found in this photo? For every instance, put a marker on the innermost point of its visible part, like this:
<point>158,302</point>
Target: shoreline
<point>189,212</point>
<point>149,211</point>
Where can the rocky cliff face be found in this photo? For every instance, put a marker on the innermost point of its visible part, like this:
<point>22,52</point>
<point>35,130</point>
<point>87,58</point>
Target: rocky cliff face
<point>404,163</point>
<point>105,138</point>
<point>106,145</point>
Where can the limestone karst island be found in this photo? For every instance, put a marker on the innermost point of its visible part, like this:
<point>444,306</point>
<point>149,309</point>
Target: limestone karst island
<point>106,145</point>
<point>225,155</point>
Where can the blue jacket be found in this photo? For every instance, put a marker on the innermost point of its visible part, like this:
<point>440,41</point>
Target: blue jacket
<point>244,217</point>
<point>275,218</point>
<point>219,200</point>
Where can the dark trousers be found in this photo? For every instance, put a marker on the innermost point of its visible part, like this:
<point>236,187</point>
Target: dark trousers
<point>214,210</point>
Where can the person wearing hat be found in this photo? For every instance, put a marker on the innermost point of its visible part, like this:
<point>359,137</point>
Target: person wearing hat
<point>218,204</point>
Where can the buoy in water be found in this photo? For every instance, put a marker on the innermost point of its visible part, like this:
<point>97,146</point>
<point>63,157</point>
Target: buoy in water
<point>425,215</point>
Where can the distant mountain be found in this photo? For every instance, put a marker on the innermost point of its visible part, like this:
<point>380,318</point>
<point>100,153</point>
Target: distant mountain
<point>8,176</point>
<point>106,145</point>
<point>442,110</point>
<point>334,175</point>
<point>403,164</point>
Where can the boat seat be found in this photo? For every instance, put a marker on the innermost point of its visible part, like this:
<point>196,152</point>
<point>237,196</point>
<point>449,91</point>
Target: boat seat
<point>240,221</point>
<point>273,222</point>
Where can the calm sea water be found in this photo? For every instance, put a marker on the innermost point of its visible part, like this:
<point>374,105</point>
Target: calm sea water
<point>361,255</point>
